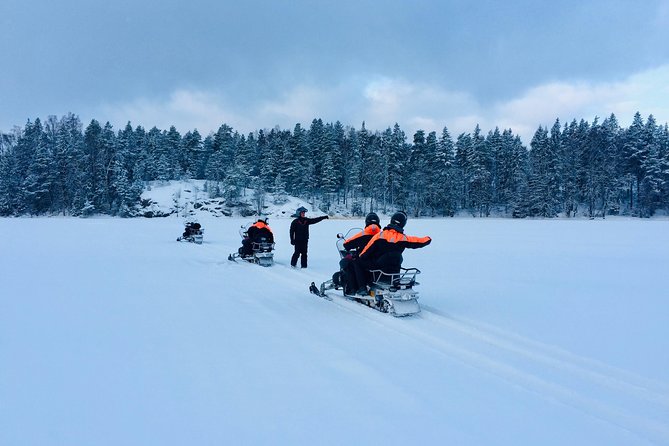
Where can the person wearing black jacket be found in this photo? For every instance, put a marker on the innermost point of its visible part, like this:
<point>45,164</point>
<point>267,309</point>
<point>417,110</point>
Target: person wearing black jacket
<point>299,235</point>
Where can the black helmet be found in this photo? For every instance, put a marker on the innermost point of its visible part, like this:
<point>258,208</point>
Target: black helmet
<point>263,220</point>
<point>300,210</point>
<point>399,219</point>
<point>372,218</point>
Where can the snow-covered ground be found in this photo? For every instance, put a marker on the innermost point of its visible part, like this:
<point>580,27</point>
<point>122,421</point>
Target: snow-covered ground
<point>532,333</point>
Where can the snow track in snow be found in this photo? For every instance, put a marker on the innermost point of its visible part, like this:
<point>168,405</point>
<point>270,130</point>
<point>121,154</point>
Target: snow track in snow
<point>633,403</point>
<point>546,371</point>
<point>549,372</point>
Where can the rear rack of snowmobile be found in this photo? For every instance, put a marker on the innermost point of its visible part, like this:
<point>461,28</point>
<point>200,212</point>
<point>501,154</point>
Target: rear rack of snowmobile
<point>406,278</point>
<point>262,246</point>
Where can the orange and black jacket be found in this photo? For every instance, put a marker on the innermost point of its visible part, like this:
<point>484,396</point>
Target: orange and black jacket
<point>360,240</point>
<point>391,240</point>
<point>260,229</point>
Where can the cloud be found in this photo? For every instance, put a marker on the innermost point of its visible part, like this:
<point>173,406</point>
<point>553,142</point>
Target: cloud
<point>646,92</point>
<point>382,101</point>
<point>185,109</point>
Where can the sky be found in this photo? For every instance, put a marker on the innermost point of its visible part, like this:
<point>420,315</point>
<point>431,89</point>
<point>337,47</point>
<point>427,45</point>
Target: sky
<point>257,64</point>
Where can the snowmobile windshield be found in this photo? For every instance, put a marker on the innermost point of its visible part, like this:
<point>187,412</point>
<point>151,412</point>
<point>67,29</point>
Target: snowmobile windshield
<point>340,242</point>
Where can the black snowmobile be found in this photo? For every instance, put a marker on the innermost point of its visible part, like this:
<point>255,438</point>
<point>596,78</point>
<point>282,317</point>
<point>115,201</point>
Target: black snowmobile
<point>260,250</point>
<point>192,233</point>
<point>388,293</point>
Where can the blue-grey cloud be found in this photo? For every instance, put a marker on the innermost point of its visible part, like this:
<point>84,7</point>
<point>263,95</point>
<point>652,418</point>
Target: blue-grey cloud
<point>382,101</point>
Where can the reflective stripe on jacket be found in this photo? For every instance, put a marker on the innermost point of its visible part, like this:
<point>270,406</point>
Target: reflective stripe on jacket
<point>392,240</point>
<point>360,240</point>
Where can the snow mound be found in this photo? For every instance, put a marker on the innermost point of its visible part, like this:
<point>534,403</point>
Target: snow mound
<point>194,198</point>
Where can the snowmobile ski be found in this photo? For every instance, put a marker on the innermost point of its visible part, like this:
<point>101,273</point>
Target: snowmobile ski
<point>318,292</point>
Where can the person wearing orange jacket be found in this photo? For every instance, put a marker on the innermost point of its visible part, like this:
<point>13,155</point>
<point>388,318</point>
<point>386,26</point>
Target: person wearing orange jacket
<point>354,245</point>
<point>254,233</point>
<point>384,250</point>
<point>357,242</point>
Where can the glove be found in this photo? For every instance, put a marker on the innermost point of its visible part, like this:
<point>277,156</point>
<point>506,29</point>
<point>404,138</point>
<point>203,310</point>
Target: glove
<point>292,242</point>
<point>326,217</point>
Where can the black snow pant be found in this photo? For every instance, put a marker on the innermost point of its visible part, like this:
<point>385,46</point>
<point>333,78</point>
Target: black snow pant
<point>347,275</point>
<point>300,250</point>
<point>247,248</point>
<point>360,272</point>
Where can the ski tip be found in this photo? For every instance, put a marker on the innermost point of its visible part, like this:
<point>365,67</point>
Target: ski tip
<point>313,289</point>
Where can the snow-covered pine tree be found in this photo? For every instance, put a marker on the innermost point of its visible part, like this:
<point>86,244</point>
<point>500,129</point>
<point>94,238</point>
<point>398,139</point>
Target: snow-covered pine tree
<point>653,182</point>
<point>463,156</point>
<point>397,158</point>
<point>192,154</point>
<point>416,180</point>
<point>445,179</point>
<point>635,153</point>
<point>37,184</point>
<point>299,174</point>
<point>542,200</point>
<point>479,176</point>
<point>350,161</point>
<point>572,145</point>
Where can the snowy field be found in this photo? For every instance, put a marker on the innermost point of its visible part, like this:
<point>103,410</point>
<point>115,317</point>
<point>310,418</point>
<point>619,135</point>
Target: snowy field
<point>532,333</point>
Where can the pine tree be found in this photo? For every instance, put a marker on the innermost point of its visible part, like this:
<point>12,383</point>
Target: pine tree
<point>337,140</point>
<point>191,145</point>
<point>9,183</point>
<point>370,154</point>
<point>443,183</point>
<point>652,183</point>
<point>397,158</point>
<point>352,164</point>
<point>518,188</point>
<point>494,145</point>
<point>37,184</point>
<point>173,148</point>
<point>315,153</point>
<point>635,153</point>
<point>299,174</point>
<point>543,201</point>
<point>67,157</point>
<point>417,181</point>
<point>94,171</point>
<point>573,138</point>
<point>480,184</point>
<point>463,159</point>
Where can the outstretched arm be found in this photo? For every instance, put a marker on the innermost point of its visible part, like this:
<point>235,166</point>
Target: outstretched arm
<point>416,242</point>
<point>312,221</point>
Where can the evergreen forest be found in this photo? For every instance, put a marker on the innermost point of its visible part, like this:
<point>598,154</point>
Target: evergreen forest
<point>594,169</point>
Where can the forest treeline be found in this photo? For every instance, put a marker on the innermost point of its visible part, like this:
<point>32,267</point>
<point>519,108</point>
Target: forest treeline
<point>56,166</point>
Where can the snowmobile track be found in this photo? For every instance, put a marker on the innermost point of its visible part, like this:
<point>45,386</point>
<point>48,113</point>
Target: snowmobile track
<point>548,372</point>
<point>561,384</point>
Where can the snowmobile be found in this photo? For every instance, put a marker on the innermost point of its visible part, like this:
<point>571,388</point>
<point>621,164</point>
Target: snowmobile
<point>387,293</point>
<point>262,250</point>
<point>192,233</point>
